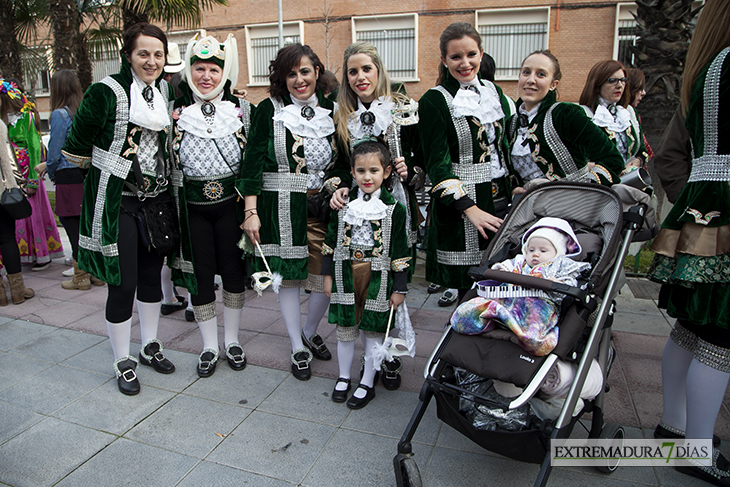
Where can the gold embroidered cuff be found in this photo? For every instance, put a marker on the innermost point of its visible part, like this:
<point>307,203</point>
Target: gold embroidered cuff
<point>327,250</point>
<point>332,184</point>
<point>599,170</point>
<point>400,264</point>
<point>81,161</point>
<point>450,187</point>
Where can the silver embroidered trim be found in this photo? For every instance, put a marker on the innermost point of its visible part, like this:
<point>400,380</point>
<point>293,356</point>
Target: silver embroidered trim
<point>245,107</point>
<point>284,182</point>
<point>711,166</point>
<point>284,210</point>
<point>184,265</point>
<point>146,344</point>
<point>291,252</point>
<point>233,300</point>
<point>561,152</point>
<point>581,175</point>
<point>469,257</point>
<point>314,283</point>
<point>347,333</point>
<point>396,150</point>
<point>204,312</point>
<point>713,356</point>
<point>683,337</point>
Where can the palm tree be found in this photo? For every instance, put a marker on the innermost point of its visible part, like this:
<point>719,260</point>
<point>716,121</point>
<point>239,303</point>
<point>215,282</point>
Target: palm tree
<point>173,12</point>
<point>10,66</point>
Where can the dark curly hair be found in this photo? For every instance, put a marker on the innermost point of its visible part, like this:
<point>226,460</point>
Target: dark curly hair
<point>287,58</point>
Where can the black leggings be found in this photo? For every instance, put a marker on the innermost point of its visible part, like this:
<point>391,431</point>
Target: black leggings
<point>214,234</point>
<point>8,245</point>
<point>139,268</point>
<point>72,224</point>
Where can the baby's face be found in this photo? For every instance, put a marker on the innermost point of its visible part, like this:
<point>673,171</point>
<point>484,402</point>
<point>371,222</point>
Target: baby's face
<point>539,250</point>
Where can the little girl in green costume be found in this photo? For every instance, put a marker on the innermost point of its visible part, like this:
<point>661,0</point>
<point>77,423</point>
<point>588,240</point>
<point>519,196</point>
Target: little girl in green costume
<point>365,264</point>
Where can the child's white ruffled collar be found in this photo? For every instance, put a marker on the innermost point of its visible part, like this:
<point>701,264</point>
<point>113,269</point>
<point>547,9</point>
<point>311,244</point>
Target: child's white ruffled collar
<point>361,210</point>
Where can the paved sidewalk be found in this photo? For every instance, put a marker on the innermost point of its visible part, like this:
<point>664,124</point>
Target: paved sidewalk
<point>64,423</point>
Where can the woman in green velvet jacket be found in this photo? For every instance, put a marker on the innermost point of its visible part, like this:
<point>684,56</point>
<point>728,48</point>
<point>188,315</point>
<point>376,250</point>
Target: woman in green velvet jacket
<point>119,134</point>
<point>462,137</point>
<point>289,153</point>
<point>555,141</point>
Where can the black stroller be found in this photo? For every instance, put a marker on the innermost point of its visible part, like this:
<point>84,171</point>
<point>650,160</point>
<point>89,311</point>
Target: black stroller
<point>605,232</point>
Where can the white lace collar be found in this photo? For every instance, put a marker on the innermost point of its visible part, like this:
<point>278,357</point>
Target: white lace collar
<point>484,105</point>
<point>293,117</point>
<point>224,120</point>
<point>359,211</point>
<point>151,115</point>
<point>381,108</point>
<point>603,117</point>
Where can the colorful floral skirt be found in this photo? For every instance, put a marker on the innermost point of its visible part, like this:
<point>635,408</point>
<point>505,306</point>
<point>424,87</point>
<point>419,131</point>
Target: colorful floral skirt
<point>37,235</point>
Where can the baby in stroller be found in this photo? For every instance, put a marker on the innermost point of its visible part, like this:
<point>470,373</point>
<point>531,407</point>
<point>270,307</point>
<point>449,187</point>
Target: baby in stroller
<point>532,316</point>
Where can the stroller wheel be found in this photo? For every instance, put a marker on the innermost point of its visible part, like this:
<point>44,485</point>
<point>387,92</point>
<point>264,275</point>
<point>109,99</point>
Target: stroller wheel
<point>615,432</point>
<point>406,471</point>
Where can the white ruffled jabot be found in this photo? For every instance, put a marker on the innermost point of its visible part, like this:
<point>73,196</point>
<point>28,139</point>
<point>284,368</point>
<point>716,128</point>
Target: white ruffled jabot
<point>152,116</point>
<point>484,106</point>
<point>224,120</point>
<point>603,118</point>
<point>292,116</point>
<point>360,211</point>
<point>381,108</point>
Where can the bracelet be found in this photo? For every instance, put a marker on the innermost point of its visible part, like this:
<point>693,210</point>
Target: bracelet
<point>249,216</point>
<point>250,209</point>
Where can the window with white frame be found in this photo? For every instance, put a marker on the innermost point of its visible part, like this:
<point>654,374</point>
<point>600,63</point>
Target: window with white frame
<point>396,39</point>
<point>510,35</point>
<point>35,62</point>
<point>181,38</point>
<point>627,32</point>
<point>262,45</point>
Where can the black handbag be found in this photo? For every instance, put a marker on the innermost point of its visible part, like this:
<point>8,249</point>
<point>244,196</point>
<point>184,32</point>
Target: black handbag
<point>161,228</point>
<point>15,203</point>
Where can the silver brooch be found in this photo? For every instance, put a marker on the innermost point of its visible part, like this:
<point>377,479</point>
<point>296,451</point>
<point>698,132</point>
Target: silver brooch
<point>367,118</point>
<point>208,109</point>
<point>308,112</point>
<point>147,94</point>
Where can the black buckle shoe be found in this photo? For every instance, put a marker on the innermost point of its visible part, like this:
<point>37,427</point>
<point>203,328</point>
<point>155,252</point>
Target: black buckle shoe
<point>151,355</point>
<point>300,359</point>
<point>359,403</point>
<point>340,396</point>
<point>207,362</point>
<point>235,356</point>
<point>127,380</point>
<point>665,431</point>
<point>316,345</point>
<point>391,373</point>
<point>169,308</point>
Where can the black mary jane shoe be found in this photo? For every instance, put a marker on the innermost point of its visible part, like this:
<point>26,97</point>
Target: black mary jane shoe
<point>235,356</point>
<point>316,345</point>
<point>300,359</point>
<point>391,374</point>
<point>340,396</point>
<point>665,431</point>
<point>169,308</point>
<point>151,356</point>
<point>359,403</point>
<point>127,380</point>
<point>207,362</point>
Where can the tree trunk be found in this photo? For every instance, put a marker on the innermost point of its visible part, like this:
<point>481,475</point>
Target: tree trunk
<point>65,27</point>
<point>84,69</point>
<point>10,66</point>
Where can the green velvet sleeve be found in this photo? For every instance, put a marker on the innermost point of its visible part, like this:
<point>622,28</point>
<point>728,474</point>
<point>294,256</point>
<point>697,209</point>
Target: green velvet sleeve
<point>340,168</point>
<point>96,112</point>
<point>433,131</point>
<point>33,141</point>
<point>259,149</point>
<point>586,141</point>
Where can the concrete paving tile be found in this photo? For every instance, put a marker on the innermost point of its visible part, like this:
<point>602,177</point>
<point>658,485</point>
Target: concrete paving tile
<point>247,388</point>
<point>358,458</point>
<point>214,475</point>
<point>185,371</point>
<point>17,332</point>
<point>626,302</point>
<point>58,345</point>
<point>93,409</point>
<point>27,309</point>
<point>431,320</point>
<point>648,404</point>
<point>277,446</point>
<point>5,319</point>
<point>642,372</point>
<point>41,282</point>
<point>278,327</point>
<point>186,338</point>
<point>649,324</point>
<point>15,420</point>
<point>96,296</point>
<point>388,415</point>
<point>636,343</point>
<point>189,425</point>
<point>94,323</point>
<point>453,440</point>
<point>64,313</point>
<point>308,400</point>
<point>15,368</point>
<point>128,463</point>
<point>48,451</point>
<point>426,341</point>
<point>258,319</point>
<point>52,389</point>
<point>97,359</point>
<point>270,351</point>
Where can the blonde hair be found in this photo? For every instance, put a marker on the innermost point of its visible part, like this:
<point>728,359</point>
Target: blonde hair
<point>710,37</point>
<point>347,99</point>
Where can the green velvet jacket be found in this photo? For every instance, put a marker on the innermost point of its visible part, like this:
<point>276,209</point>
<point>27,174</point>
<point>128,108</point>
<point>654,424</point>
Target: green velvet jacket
<point>454,244</point>
<point>634,136</point>
<point>388,256</point>
<point>703,200</point>
<point>103,139</point>
<point>276,173</point>
<point>183,272</point>
<point>563,140</point>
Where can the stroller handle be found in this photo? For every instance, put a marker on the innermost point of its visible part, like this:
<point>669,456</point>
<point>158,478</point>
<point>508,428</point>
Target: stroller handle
<point>479,273</point>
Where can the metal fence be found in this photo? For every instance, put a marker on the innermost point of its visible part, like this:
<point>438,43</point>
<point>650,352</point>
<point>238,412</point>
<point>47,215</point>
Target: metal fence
<point>263,51</point>
<point>397,47</point>
<point>628,33</point>
<point>509,44</point>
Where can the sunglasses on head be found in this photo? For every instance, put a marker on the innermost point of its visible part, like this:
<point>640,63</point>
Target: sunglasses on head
<point>615,81</point>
